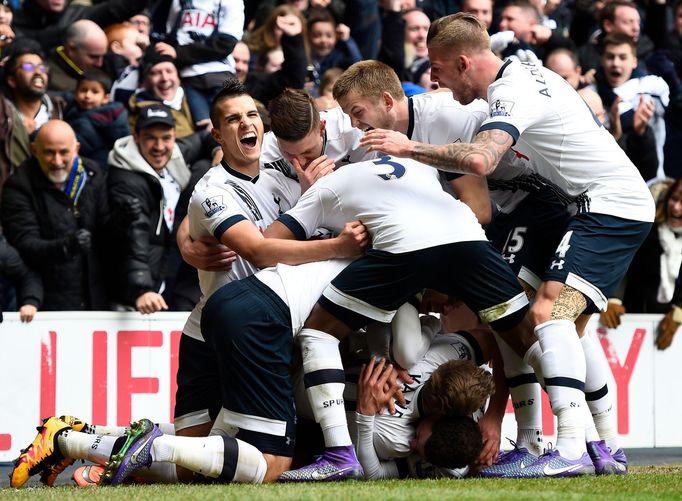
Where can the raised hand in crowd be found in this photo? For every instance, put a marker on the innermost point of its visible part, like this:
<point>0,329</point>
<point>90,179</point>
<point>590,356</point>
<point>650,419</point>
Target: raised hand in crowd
<point>643,114</point>
<point>290,24</point>
<point>165,49</point>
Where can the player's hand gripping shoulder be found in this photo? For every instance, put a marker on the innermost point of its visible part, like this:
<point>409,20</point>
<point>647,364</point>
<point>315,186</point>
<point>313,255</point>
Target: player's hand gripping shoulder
<point>318,168</point>
<point>205,253</point>
<point>352,241</point>
<point>375,392</point>
<point>387,141</point>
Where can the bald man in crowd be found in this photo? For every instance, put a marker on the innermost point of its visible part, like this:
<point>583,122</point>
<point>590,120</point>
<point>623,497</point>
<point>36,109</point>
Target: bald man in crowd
<point>85,45</point>
<point>54,212</point>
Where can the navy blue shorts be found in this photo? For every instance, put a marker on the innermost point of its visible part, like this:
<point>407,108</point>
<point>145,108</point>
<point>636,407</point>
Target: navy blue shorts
<point>528,236</point>
<point>378,283</point>
<point>249,328</point>
<point>594,255</point>
<point>196,400</point>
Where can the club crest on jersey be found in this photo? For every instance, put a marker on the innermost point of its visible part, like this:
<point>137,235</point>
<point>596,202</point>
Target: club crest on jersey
<point>213,205</point>
<point>501,108</point>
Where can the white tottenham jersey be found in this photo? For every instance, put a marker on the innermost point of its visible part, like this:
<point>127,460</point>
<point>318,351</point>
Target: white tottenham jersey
<point>301,286</point>
<point>400,201</point>
<point>341,143</point>
<point>436,118</point>
<point>201,19</point>
<point>221,198</point>
<point>553,126</point>
<point>392,433</point>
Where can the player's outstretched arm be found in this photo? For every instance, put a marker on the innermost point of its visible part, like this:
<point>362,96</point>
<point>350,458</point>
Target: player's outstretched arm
<point>262,252</point>
<point>479,158</point>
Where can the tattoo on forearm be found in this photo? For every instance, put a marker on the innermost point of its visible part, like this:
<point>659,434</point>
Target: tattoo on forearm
<point>480,157</point>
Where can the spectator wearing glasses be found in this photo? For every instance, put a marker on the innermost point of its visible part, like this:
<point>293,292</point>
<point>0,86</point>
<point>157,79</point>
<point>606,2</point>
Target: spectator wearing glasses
<point>25,106</point>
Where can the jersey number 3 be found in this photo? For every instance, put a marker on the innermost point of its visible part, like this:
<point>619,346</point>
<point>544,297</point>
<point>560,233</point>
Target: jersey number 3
<point>398,169</point>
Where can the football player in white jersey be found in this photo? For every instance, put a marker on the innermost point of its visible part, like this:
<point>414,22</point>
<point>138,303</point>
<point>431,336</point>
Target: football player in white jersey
<point>371,94</point>
<point>384,437</point>
<point>234,202</point>
<point>541,116</point>
<point>309,140</point>
<point>415,228</point>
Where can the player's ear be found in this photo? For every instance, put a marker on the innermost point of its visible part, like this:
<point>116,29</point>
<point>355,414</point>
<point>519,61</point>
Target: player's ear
<point>323,126</point>
<point>388,100</point>
<point>463,63</point>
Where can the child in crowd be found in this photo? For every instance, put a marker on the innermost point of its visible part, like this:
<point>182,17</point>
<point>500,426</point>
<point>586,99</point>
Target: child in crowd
<point>97,122</point>
<point>331,45</point>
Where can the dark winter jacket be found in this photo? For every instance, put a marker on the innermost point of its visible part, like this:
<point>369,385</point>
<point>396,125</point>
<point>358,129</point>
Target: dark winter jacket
<point>26,281</point>
<point>142,246</point>
<point>98,129</point>
<point>40,221</point>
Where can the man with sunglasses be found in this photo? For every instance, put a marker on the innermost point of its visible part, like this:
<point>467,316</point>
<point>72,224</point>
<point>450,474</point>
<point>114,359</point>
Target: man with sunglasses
<point>25,107</point>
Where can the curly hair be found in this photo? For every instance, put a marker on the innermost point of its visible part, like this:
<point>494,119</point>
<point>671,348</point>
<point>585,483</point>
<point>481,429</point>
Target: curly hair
<point>457,388</point>
<point>455,442</point>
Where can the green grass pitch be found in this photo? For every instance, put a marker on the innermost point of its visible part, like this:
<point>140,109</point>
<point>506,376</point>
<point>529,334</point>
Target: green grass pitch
<point>643,483</point>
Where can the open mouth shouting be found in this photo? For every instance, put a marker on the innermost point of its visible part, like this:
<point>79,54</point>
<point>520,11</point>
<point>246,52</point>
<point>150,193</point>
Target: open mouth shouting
<point>249,140</point>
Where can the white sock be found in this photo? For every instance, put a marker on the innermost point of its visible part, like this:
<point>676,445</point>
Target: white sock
<point>563,367</point>
<point>110,431</point>
<point>526,396</point>
<point>202,455</point>
<point>77,445</point>
<point>324,381</point>
<point>591,434</point>
<point>599,398</point>
<point>533,358</point>
<point>226,457</point>
<point>119,431</point>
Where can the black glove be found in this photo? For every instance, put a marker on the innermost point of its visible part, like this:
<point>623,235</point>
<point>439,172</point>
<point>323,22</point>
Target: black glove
<point>132,208</point>
<point>80,241</point>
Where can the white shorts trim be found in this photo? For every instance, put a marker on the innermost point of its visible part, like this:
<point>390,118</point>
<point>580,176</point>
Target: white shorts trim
<point>350,303</point>
<point>258,424</point>
<point>582,285</point>
<point>529,277</point>
<point>192,419</point>
<point>504,309</point>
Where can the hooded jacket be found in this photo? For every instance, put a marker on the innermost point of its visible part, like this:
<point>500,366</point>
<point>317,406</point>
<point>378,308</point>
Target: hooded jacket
<point>144,240</point>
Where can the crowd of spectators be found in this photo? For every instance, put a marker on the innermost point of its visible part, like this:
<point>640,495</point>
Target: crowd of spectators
<point>94,226</point>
